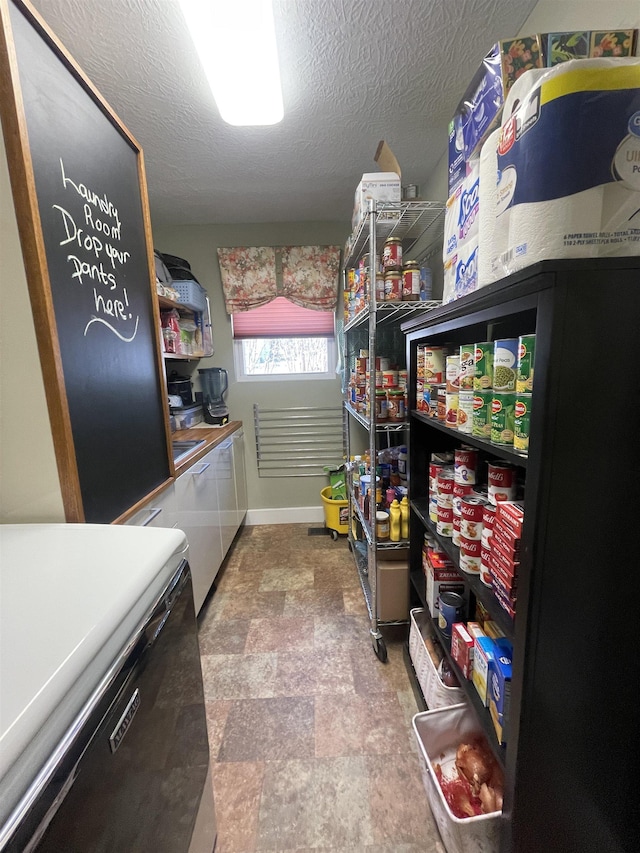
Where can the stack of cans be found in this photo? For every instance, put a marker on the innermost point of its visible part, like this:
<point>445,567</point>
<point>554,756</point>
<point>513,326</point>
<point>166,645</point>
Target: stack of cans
<point>465,467</point>
<point>439,462</point>
<point>524,387</point>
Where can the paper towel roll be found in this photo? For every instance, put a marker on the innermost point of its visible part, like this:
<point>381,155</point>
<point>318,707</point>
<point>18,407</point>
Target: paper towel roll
<point>461,212</point>
<point>451,214</point>
<point>466,268</point>
<point>544,230</point>
<point>488,172</point>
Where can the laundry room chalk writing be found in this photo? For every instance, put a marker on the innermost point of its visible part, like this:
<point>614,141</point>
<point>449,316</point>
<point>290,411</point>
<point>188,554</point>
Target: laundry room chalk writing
<point>90,230</point>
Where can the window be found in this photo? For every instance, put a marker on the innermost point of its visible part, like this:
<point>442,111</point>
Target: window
<point>281,340</point>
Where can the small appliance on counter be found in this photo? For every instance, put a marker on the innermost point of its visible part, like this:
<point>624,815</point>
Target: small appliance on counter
<point>186,417</point>
<point>214,382</point>
<point>180,386</point>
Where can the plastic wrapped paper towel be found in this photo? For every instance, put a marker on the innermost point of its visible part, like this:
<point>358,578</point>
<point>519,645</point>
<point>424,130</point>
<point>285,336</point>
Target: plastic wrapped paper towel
<point>487,259</point>
<point>461,271</point>
<point>569,165</point>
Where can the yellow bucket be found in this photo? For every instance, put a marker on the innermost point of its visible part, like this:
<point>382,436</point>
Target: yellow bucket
<point>336,513</point>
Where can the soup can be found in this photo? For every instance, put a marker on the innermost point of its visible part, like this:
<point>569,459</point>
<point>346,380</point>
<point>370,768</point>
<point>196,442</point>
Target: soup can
<point>485,574</point>
<point>470,554</point>
<point>451,609</point>
<point>488,516</point>
<point>453,374</point>
<point>502,482</point>
<point>434,364</point>
<point>452,401</point>
<point>442,404</point>
<point>465,464</point>
<point>444,524</point>
<point>455,536</point>
<point>465,412</point>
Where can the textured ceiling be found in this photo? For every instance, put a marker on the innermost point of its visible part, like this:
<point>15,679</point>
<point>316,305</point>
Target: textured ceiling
<point>353,72</point>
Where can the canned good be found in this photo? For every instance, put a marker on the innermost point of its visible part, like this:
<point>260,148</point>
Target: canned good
<point>420,362</point>
<point>485,574</point>
<point>467,366</point>
<point>451,609</point>
<point>455,535</point>
<point>442,404</point>
<point>471,529</point>
<point>383,363</point>
<point>481,421</point>
<point>485,539</point>
<point>483,373</point>
<point>402,379</point>
<point>395,404</point>
<point>505,360</point>
<point>465,412</point>
<point>444,485</point>
<point>435,467</point>
<point>502,482</point>
<point>503,406</point>
<point>389,378</point>
<point>392,253</point>
<point>444,524</point>
<point>381,405</point>
<point>411,282</point>
<point>526,353</point>
<point>522,423</point>
<point>459,491</point>
<point>470,554</point>
<point>465,463</point>
<point>472,509</point>
<point>434,365</point>
<point>488,516</point>
<point>393,286</point>
<point>453,374</point>
<point>433,509</point>
<point>451,409</point>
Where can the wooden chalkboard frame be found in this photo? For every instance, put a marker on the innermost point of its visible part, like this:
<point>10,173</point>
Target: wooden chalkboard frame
<point>23,183</point>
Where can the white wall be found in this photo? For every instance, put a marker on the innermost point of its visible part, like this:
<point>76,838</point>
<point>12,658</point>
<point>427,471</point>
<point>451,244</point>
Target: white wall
<point>553,16</point>
<point>29,484</point>
<point>198,245</point>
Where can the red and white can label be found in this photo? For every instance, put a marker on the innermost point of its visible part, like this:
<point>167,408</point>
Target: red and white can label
<point>465,465</point>
<point>445,483</point>
<point>455,538</point>
<point>472,508</point>
<point>485,574</point>
<point>470,529</point>
<point>502,482</point>
<point>470,555</point>
<point>488,516</point>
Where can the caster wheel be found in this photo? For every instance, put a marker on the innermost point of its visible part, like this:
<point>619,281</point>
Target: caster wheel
<point>334,535</point>
<point>380,649</point>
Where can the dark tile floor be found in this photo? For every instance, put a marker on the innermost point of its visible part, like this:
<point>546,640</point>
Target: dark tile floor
<point>310,734</point>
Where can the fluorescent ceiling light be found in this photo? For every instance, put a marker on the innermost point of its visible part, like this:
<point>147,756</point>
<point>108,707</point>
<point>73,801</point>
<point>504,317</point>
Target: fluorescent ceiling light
<point>236,43</point>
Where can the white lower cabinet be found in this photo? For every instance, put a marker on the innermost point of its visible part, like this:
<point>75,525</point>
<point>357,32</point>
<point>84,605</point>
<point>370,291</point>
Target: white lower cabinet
<point>198,514</point>
<point>223,461</point>
<point>240,476</point>
<point>159,512</point>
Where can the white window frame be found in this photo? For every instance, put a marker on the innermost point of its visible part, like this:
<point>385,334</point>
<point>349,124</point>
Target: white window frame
<point>241,376</point>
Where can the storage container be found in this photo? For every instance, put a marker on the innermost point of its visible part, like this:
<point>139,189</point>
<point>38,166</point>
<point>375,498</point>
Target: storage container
<point>188,416</point>
<point>438,734</point>
<point>436,694</point>
<point>192,295</point>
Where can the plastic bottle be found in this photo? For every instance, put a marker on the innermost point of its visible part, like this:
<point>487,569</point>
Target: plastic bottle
<point>390,496</point>
<point>404,518</point>
<point>402,463</point>
<point>395,522</point>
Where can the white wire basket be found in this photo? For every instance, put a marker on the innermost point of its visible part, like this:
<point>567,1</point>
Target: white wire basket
<point>436,694</point>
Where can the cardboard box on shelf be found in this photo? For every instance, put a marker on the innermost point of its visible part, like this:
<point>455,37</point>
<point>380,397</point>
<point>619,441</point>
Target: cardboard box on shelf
<point>383,186</point>
<point>500,688</point>
<point>442,580</point>
<point>484,651</point>
<point>393,590</point>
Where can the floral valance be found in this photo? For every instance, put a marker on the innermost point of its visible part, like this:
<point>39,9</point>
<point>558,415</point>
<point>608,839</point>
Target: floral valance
<point>254,275</point>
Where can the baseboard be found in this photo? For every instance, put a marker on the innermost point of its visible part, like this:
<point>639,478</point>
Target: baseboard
<point>285,515</point>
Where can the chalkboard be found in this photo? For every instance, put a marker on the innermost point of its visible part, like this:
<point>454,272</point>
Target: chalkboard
<point>88,245</point>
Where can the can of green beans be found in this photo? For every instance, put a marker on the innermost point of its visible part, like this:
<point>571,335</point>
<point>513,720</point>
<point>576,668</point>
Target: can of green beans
<point>483,375</point>
<point>503,407</point>
<point>481,426</point>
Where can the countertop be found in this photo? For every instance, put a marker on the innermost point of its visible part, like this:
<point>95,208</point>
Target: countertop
<point>212,436</point>
<point>72,596</point>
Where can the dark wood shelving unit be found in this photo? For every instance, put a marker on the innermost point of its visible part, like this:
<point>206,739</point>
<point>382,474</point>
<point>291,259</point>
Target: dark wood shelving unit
<point>571,643</point>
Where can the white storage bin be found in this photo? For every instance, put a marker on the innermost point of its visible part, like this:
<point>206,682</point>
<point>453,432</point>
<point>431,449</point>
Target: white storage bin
<point>439,734</point>
<point>436,694</point>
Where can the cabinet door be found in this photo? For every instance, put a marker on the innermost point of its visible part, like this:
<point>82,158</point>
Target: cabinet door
<point>158,512</point>
<point>240,476</point>
<point>199,517</point>
<point>223,461</point>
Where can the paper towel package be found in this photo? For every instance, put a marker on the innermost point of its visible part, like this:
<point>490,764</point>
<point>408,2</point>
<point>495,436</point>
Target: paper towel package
<point>557,197</point>
<point>461,272</point>
<point>488,193</point>
<point>457,163</point>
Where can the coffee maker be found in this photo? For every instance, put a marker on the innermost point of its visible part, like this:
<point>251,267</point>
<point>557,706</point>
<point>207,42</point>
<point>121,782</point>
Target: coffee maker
<point>214,382</point>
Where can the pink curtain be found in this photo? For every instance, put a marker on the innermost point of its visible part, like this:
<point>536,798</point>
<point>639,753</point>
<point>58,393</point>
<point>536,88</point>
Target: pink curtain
<point>306,275</point>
